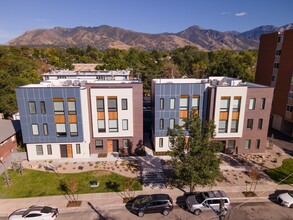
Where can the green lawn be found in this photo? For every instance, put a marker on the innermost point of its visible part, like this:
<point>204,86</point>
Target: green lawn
<point>37,183</point>
<point>282,172</point>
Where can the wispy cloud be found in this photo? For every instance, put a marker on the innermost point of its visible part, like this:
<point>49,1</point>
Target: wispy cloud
<point>226,13</point>
<point>242,13</point>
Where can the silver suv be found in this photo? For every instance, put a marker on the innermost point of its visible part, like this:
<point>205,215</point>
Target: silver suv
<point>207,201</point>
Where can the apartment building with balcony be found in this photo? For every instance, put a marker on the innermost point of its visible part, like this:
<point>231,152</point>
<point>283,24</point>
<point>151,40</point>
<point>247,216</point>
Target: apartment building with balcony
<point>239,110</point>
<point>275,68</point>
<point>64,119</point>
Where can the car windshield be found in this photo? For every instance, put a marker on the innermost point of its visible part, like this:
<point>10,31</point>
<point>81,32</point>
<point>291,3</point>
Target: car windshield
<point>199,198</point>
<point>290,193</point>
<point>145,200</point>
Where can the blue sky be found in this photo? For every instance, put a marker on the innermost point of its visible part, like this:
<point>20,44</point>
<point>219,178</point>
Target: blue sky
<point>150,16</point>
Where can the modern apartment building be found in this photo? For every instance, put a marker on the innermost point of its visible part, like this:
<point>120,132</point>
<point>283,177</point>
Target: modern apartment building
<point>64,119</point>
<point>86,75</point>
<point>240,110</point>
<point>275,68</point>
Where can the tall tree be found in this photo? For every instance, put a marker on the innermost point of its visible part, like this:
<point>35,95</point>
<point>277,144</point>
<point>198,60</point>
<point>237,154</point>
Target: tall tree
<point>194,158</point>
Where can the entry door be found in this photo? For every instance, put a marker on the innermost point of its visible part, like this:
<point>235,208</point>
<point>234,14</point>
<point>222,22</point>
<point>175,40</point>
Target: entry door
<point>110,145</point>
<point>115,145</point>
<point>63,150</point>
<point>69,150</point>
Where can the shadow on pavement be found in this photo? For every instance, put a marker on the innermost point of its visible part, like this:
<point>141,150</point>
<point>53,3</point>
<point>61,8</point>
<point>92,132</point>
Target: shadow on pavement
<point>273,196</point>
<point>100,216</point>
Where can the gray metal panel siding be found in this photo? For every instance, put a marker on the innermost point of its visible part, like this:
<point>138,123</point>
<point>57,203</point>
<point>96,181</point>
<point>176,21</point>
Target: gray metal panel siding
<point>25,94</point>
<point>168,91</point>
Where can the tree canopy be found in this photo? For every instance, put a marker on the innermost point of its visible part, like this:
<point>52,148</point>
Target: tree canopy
<point>194,158</point>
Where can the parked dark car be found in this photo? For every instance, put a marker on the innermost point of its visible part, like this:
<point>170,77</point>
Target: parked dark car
<point>155,203</point>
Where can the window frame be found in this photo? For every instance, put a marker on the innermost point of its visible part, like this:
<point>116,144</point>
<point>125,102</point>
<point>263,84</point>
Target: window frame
<point>35,126</point>
<point>58,111</point>
<point>252,102</point>
<point>161,142</point>
<point>123,124</point>
<point>32,107</point>
<point>71,111</point>
<point>45,129</point>
<point>260,124</point>
<point>72,132</point>
<point>100,145</point>
<point>49,149</point>
<point>161,124</point>
<point>124,104</point>
<point>60,133</point>
<point>247,144</point>
<point>162,103</point>
<point>39,150</point>
<point>43,107</point>
<point>249,123</point>
<point>78,149</point>
<point>172,103</point>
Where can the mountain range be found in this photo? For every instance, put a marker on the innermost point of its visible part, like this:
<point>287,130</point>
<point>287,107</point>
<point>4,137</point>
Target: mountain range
<point>104,36</point>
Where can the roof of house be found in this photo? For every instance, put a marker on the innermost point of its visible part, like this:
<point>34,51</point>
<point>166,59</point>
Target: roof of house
<point>8,128</point>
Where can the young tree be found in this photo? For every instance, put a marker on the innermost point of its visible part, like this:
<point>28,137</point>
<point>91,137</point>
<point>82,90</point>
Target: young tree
<point>194,158</point>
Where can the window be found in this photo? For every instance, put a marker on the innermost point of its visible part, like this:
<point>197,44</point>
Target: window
<point>101,126</point>
<point>125,143</point>
<point>250,123</point>
<point>161,123</point>
<point>100,105</point>
<point>183,103</point>
<point>290,95</point>
<point>274,78</point>
<point>32,107</point>
<point>60,130</point>
<point>58,108</point>
<point>260,121</point>
<point>45,127</point>
<point>236,104</point>
<point>289,108</point>
<point>71,107</point>
<point>172,123</point>
<point>35,129</point>
<point>113,125</point>
<point>181,123</point>
<point>231,143</point>
<point>195,103</point>
<point>112,104</point>
<point>262,103</point>
<point>124,124</point>
<point>161,103</point>
<point>223,126</point>
<point>73,129</point>
<point>252,103</point>
<point>234,126</point>
<point>49,149</point>
<point>257,143</point>
<point>278,52</point>
<point>99,144</point>
<point>160,142</point>
<point>77,148</point>
<point>43,107</point>
<point>247,144</point>
<point>39,149</point>
<point>225,103</point>
<point>172,103</point>
<point>276,65</point>
<point>124,104</point>
<point>279,39</point>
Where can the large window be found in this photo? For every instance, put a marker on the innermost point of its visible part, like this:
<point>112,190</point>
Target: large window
<point>99,144</point>
<point>236,104</point>
<point>101,126</point>
<point>61,130</point>
<point>252,104</point>
<point>43,107</point>
<point>250,123</point>
<point>172,123</point>
<point>73,129</point>
<point>100,105</point>
<point>58,108</point>
<point>124,104</point>
<point>113,125</point>
<point>35,129</point>
<point>39,149</point>
<point>195,103</point>
<point>71,107</point>
<point>225,104</point>
<point>112,104</point>
<point>49,149</point>
<point>223,124</point>
<point>161,103</point>
<point>45,127</point>
<point>262,103</point>
<point>172,103</point>
<point>231,144</point>
<point>183,103</point>
<point>32,107</point>
<point>124,124</point>
<point>257,143</point>
<point>234,126</point>
<point>247,144</point>
<point>125,143</point>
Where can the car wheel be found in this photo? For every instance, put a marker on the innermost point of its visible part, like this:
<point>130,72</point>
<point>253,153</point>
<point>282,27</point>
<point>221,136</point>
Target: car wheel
<point>166,212</point>
<point>140,214</point>
<point>291,206</point>
<point>197,212</point>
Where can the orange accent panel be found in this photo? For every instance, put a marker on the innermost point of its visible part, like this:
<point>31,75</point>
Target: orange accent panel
<point>195,96</point>
<point>235,115</point>
<point>183,114</point>
<point>99,97</point>
<point>57,100</point>
<point>72,118</point>
<point>110,145</point>
<point>112,97</point>
<point>237,97</point>
<point>225,97</point>
<point>101,115</point>
<point>69,150</point>
<point>113,115</point>
<point>224,115</point>
<point>184,96</point>
<point>71,99</point>
<point>59,118</point>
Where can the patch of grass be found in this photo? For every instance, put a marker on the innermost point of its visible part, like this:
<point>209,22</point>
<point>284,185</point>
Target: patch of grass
<point>37,183</point>
<point>282,172</point>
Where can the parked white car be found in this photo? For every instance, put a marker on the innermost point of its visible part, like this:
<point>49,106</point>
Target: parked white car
<point>286,199</point>
<point>35,212</point>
